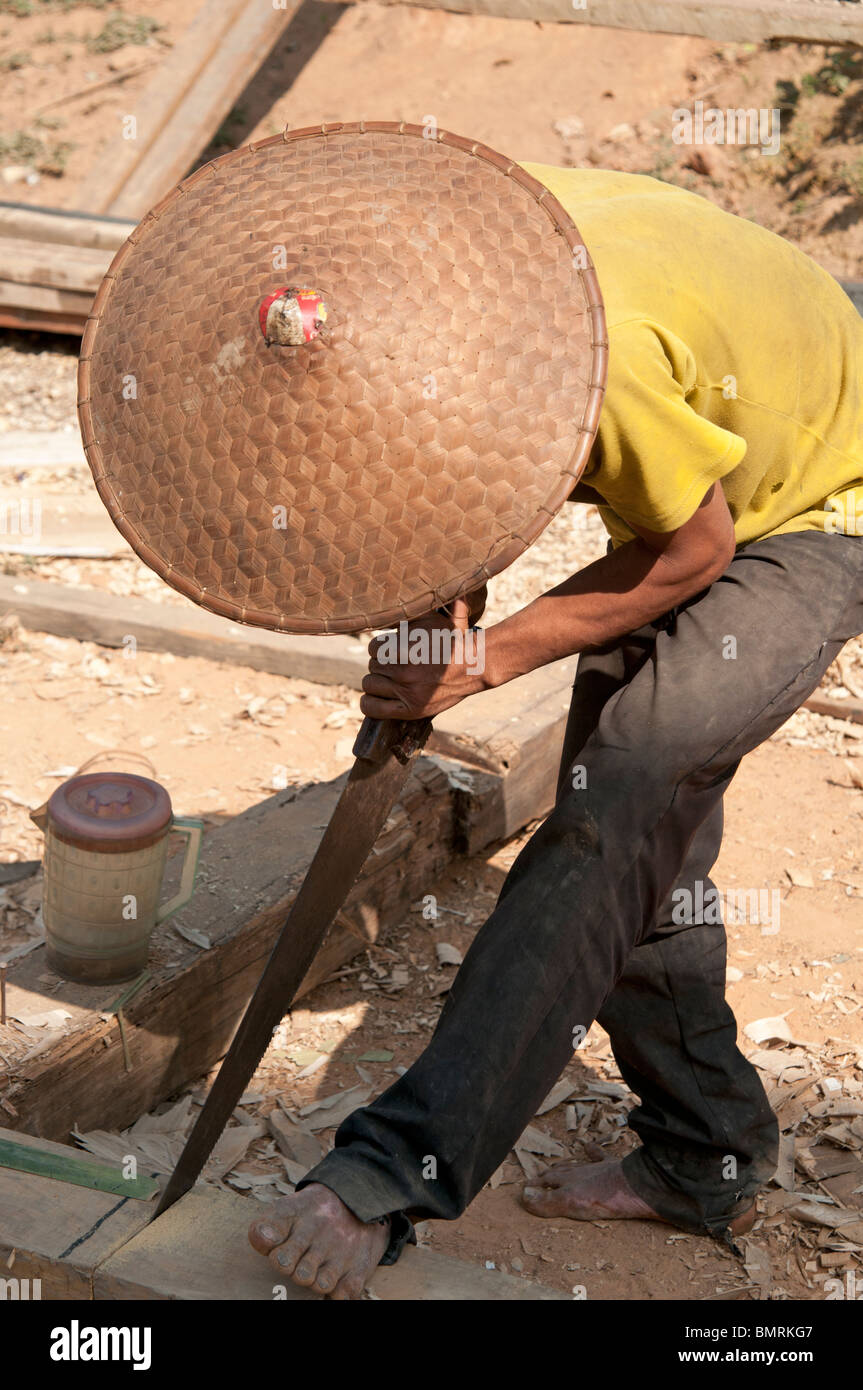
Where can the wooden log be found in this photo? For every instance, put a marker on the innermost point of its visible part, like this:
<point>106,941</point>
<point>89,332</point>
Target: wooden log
<point>63,227</point>
<point>183,1020</point>
<point>158,103</point>
<point>192,121</point>
<point>185,1253</point>
<point>732,21</point>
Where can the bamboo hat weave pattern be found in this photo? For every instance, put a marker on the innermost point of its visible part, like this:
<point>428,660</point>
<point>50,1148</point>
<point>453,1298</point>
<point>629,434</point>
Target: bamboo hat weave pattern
<point>339,377</point>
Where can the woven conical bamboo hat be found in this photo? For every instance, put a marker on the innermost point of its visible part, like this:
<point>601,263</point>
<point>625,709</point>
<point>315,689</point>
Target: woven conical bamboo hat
<point>339,377</point>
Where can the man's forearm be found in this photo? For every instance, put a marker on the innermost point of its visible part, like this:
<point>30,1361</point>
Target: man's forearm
<point>616,594</point>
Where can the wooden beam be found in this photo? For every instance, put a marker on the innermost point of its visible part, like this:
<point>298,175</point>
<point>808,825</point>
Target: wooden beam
<point>57,523</point>
<point>91,615</point>
<point>510,740</point>
<point>27,262</point>
<point>42,321</point>
<point>157,105</point>
<point>29,304</point>
<point>58,1233</point>
<point>63,227</point>
<point>83,1245</point>
<point>183,108</point>
<point>732,21</point>
<point>24,450</point>
<point>836,709</point>
<point>185,1253</point>
<point>182,1021</point>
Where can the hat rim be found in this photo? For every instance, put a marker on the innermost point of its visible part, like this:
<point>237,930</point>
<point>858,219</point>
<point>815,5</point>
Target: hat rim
<point>458,585</point>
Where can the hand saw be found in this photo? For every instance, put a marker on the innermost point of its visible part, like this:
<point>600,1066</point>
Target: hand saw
<point>383,751</point>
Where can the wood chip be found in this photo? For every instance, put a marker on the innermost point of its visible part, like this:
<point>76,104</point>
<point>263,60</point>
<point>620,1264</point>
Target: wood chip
<point>173,1120</point>
<point>296,1143</point>
<point>531,1166</point>
<point>820,1214</point>
<point>764,1030</point>
<point>329,1113</point>
<point>556,1096</point>
<point>447,954</point>
<point>536,1141</point>
<point>757,1264</point>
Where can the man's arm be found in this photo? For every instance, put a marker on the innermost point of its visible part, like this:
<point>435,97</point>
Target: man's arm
<point>633,585</point>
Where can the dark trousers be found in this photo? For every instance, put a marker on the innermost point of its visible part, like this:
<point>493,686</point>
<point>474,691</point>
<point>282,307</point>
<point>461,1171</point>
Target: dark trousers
<point>592,924</point>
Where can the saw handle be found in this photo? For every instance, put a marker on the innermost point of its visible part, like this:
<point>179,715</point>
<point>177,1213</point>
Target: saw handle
<point>378,738</point>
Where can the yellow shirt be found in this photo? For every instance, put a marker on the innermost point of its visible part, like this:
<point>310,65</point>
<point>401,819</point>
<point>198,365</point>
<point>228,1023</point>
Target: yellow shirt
<point>732,357</point>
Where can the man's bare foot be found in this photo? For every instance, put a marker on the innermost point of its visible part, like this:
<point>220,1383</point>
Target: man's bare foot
<point>315,1240</point>
<point>598,1192</point>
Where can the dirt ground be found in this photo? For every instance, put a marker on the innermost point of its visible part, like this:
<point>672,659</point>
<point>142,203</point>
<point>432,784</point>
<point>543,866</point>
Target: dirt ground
<point>793,825</point>
<point>221,738</point>
<point>562,94</point>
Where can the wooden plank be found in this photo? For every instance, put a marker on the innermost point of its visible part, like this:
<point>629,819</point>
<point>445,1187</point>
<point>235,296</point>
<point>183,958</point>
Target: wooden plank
<point>182,1021</point>
<point>57,523</point>
<point>732,21</point>
<point>157,105</point>
<point>195,118</point>
<point>489,729</point>
<point>58,1233</point>
<point>42,321</point>
<point>187,1251</point>
<point>31,300</point>
<point>24,450</point>
<point>28,262</point>
<point>511,740</point>
<point>62,227</point>
<point>850,709</point>
<point>185,629</point>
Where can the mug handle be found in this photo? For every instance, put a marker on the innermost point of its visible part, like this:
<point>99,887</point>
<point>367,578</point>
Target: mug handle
<point>193,829</point>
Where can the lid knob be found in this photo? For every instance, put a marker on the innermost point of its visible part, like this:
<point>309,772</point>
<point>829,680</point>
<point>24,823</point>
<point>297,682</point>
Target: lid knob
<point>292,316</point>
<point>109,799</point>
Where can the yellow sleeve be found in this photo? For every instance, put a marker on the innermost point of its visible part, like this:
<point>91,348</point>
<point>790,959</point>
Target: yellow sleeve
<point>658,456</point>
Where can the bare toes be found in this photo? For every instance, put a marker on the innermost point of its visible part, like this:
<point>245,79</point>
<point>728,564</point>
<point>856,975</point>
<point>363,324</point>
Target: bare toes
<point>285,1258</point>
<point>272,1229</point>
<point>350,1286</point>
<point>306,1269</point>
<point>329,1275</point>
<point>541,1200</point>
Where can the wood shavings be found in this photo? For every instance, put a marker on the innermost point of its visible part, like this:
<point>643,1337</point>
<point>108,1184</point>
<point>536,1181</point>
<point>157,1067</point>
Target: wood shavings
<point>774,1029</point>
<point>447,954</point>
<point>329,1113</point>
<point>296,1143</point>
<point>558,1093</point>
<point>536,1141</point>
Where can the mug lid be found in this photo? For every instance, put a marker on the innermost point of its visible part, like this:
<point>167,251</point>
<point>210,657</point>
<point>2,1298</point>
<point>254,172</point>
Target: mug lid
<point>112,807</point>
